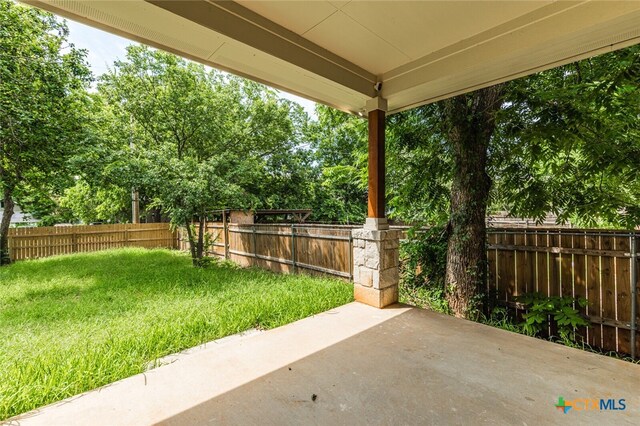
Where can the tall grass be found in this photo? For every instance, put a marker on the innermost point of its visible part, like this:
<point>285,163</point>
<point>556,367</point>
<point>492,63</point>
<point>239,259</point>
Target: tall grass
<point>69,324</point>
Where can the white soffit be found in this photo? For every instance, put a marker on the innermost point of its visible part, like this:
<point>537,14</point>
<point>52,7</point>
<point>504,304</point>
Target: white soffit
<point>335,51</point>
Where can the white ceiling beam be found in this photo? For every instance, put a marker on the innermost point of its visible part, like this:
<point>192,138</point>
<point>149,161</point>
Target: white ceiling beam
<point>241,24</point>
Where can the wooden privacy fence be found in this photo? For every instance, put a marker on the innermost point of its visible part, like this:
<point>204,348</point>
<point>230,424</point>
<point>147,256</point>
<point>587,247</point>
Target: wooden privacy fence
<point>283,248</point>
<point>601,266</point>
<point>31,243</point>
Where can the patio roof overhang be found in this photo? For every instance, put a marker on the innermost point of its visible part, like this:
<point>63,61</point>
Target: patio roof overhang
<point>334,52</point>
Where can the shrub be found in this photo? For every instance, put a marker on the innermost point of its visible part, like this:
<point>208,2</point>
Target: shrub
<point>555,311</point>
<point>423,260</point>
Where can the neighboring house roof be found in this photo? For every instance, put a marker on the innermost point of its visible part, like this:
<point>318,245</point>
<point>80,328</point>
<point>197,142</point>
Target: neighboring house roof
<point>503,219</point>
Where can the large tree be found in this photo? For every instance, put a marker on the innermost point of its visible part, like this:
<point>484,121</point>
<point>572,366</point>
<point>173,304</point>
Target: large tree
<point>203,140</point>
<point>469,121</point>
<point>564,141</point>
<point>42,99</point>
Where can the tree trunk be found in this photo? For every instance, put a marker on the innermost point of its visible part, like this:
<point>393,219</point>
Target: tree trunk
<point>470,123</point>
<point>5,259</point>
<point>200,248</point>
<point>192,243</point>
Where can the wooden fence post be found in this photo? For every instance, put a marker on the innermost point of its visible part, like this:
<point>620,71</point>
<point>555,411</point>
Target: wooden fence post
<point>350,257</point>
<point>293,247</point>
<point>634,295</point>
<point>225,234</point>
<point>255,245</point>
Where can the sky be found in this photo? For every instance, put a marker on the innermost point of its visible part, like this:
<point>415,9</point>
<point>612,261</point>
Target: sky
<point>104,48</point>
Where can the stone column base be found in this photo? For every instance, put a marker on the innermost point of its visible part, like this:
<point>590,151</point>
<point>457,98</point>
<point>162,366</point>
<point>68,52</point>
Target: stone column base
<point>378,298</point>
<point>376,266</point>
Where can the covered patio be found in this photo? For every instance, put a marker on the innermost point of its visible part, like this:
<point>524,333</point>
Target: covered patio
<point>360,365</point>
<point>365,365</point>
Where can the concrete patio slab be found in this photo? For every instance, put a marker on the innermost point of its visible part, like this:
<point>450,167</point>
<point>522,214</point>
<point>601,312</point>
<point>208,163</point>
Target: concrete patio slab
<point>361,365</point>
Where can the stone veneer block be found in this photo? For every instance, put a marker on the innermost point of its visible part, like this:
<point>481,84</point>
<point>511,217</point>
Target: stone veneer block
<point>387,278</point>
<point>375,297</point>
<point>390,259</point>
<point>365,276</point>
<point>372,250</point>
<point>376,223</point>
<point>392,243</point>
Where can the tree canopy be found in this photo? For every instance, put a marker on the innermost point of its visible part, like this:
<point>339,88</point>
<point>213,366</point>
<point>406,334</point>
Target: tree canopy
<point>43,82</point>
<point>200,140</point>
<point>568,143</point>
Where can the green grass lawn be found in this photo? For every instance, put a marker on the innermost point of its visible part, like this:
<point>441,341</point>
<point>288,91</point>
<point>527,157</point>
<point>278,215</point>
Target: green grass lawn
<point>69,324</point>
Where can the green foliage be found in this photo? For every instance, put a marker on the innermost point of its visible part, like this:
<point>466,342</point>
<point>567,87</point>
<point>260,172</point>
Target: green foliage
<point>339,143</point>
<point>415,149</point>
<point>427,297</point>
<point>43,81</point>
<point>44,206</point>
<point>106,203</point>
<point>207,262</point>
<point>424,255</point>
<point>543,311</point>
<point>423,259</point>
<point>419,166</point>
<point>500,318</point>
<point>202,140</point>
<point>69,324</point>
<point>105,171</point>
<point>568,143</point>
<point>187,188</point>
